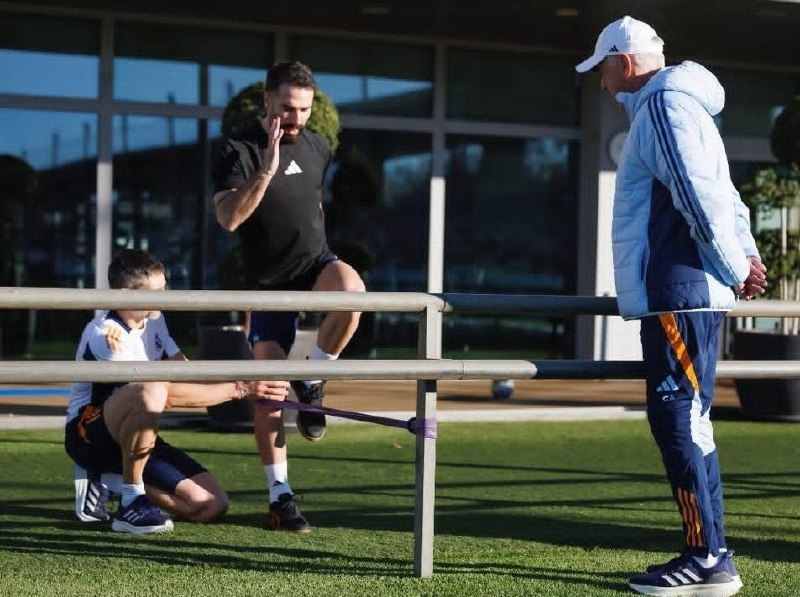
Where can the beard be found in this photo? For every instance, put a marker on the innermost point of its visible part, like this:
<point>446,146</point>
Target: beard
<point>294,135</point>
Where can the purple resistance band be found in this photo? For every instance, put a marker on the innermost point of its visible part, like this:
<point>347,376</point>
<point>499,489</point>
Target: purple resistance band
<point>427,427</point>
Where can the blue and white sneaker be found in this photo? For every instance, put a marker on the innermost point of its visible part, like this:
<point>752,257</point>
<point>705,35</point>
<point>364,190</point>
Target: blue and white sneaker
<point>90,496</point>
<point>684,576</point>
<point>140,517</point>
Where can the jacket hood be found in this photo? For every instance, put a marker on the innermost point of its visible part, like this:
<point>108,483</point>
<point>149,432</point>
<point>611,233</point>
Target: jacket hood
<point>688,77</point>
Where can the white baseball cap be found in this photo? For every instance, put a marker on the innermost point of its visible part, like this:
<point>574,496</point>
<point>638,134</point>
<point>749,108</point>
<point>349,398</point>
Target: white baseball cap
<point>624,36</point>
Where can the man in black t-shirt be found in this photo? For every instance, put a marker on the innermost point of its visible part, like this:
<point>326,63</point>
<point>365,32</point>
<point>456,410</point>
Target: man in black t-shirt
<point>268,186</point>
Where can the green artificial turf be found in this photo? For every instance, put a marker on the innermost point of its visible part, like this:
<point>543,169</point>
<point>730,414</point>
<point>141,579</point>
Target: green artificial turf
<point>552,509</point>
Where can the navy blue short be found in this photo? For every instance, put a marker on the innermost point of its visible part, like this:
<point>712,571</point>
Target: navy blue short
<point>89,443</point>
<point>281,326</point>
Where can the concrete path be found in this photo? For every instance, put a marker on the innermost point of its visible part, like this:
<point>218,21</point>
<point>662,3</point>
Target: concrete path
<point>533,400</point>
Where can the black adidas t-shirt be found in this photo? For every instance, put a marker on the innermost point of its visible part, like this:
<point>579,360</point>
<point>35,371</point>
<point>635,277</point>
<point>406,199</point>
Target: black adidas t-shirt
<point>285,235</point>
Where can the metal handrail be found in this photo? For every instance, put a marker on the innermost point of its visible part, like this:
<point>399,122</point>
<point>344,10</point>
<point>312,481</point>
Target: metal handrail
<point>374,369</point>
<point>399,302</point>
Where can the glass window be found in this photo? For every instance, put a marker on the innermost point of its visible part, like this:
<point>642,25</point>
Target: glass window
<point>48,177</point>
<point>159,192</point>
<point>47,140</point>
<point>161,202</point>
<point>511,87</point>
<point>49,56</point>
<point>511,228</point>
<point>223,265</point>
<point>376,212</point>
<point>369,77</point>
<point>224,82</point>
<point>166,64</point>
<point>753,100</point>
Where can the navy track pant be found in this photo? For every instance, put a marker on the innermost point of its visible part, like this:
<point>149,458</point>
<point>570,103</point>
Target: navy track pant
<point>680,359</point>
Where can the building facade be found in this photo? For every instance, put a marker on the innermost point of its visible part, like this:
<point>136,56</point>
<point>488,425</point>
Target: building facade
<point>472,158</point>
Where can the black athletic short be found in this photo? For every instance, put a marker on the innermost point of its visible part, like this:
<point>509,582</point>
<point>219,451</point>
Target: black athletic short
<point>89,444</point>
<point>281,326</point>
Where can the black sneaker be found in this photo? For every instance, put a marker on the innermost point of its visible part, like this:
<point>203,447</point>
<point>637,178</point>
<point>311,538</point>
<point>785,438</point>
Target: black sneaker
<point>90,496</point>
<point>310,425</point>
<point>139,517</point>
<point>284,515</point>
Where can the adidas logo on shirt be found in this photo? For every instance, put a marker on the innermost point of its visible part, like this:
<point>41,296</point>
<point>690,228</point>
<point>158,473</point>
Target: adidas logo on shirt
<point>667,386</point>
<point>292,168</point>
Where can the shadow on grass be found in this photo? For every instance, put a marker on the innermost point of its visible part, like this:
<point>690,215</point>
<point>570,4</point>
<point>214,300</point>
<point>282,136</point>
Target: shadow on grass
<point>170,551</point>
<point>607,580</point>
<point>166,550</point>
<point>25,440</point>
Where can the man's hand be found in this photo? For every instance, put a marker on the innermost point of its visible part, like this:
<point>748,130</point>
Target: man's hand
<point>277,390</point>
<point>756,281</point>
<point>272,153</point>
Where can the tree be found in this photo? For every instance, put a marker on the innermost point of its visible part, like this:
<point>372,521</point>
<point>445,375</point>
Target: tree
<point>785,139</point>
<point>774,199</point>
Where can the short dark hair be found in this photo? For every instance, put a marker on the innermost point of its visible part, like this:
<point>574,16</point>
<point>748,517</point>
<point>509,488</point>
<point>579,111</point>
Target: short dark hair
<point>295,73</point>
<point>130,267</point>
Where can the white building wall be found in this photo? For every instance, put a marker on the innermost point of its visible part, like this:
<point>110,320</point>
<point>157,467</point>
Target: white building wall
<point>600,337</point>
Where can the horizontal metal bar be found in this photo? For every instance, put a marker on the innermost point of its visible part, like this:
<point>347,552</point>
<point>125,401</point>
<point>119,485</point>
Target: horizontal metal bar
<point>766,308</point>
<point>95,371</point>
<point>576,369</point>
<point>210,371</point>
<point>759,369</point>
<point>549,305</point>
<point>399,302</point>
<point>215,300</point>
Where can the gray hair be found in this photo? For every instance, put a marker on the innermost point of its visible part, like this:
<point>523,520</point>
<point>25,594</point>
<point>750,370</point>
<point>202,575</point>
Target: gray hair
<point>650,61</point>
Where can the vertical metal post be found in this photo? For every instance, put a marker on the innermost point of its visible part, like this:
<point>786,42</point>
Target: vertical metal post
<point>429,346</point>
<point>105,157</point>
<point>437,190</point>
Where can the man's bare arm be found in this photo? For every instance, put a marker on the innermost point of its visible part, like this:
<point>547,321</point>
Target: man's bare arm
<point>192,395</point>
<point>234,206</point>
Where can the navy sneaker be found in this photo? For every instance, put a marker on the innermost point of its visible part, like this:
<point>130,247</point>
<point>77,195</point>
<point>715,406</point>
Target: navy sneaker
<point>654,567</point>
<point>284,515</point>
<point>310,425</point>
<point>727,554</point>
<point>684,576</point>
<point>140,517</point>
<point>90,496</point>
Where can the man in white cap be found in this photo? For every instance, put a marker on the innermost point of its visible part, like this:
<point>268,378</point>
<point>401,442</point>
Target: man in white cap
<point>683,255</point>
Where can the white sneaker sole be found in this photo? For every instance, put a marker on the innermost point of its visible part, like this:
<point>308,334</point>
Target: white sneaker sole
<point>126,527</point>
<point>80,476</point>
<point>719,590</point>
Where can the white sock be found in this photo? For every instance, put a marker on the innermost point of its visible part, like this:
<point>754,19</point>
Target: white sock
<point>112,481</point>
<point>317,354</point>
<point>130,491</point>
<point>707,562</point>
<point>277,480</point>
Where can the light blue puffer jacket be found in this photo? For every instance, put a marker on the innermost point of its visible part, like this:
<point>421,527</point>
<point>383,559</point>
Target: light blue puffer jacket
<point>681,234</point>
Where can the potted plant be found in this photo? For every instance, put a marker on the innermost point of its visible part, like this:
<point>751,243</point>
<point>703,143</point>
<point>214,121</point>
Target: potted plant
<point>774,200</point>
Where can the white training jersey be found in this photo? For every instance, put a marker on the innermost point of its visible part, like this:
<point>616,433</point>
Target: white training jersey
<point>108,338</point>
